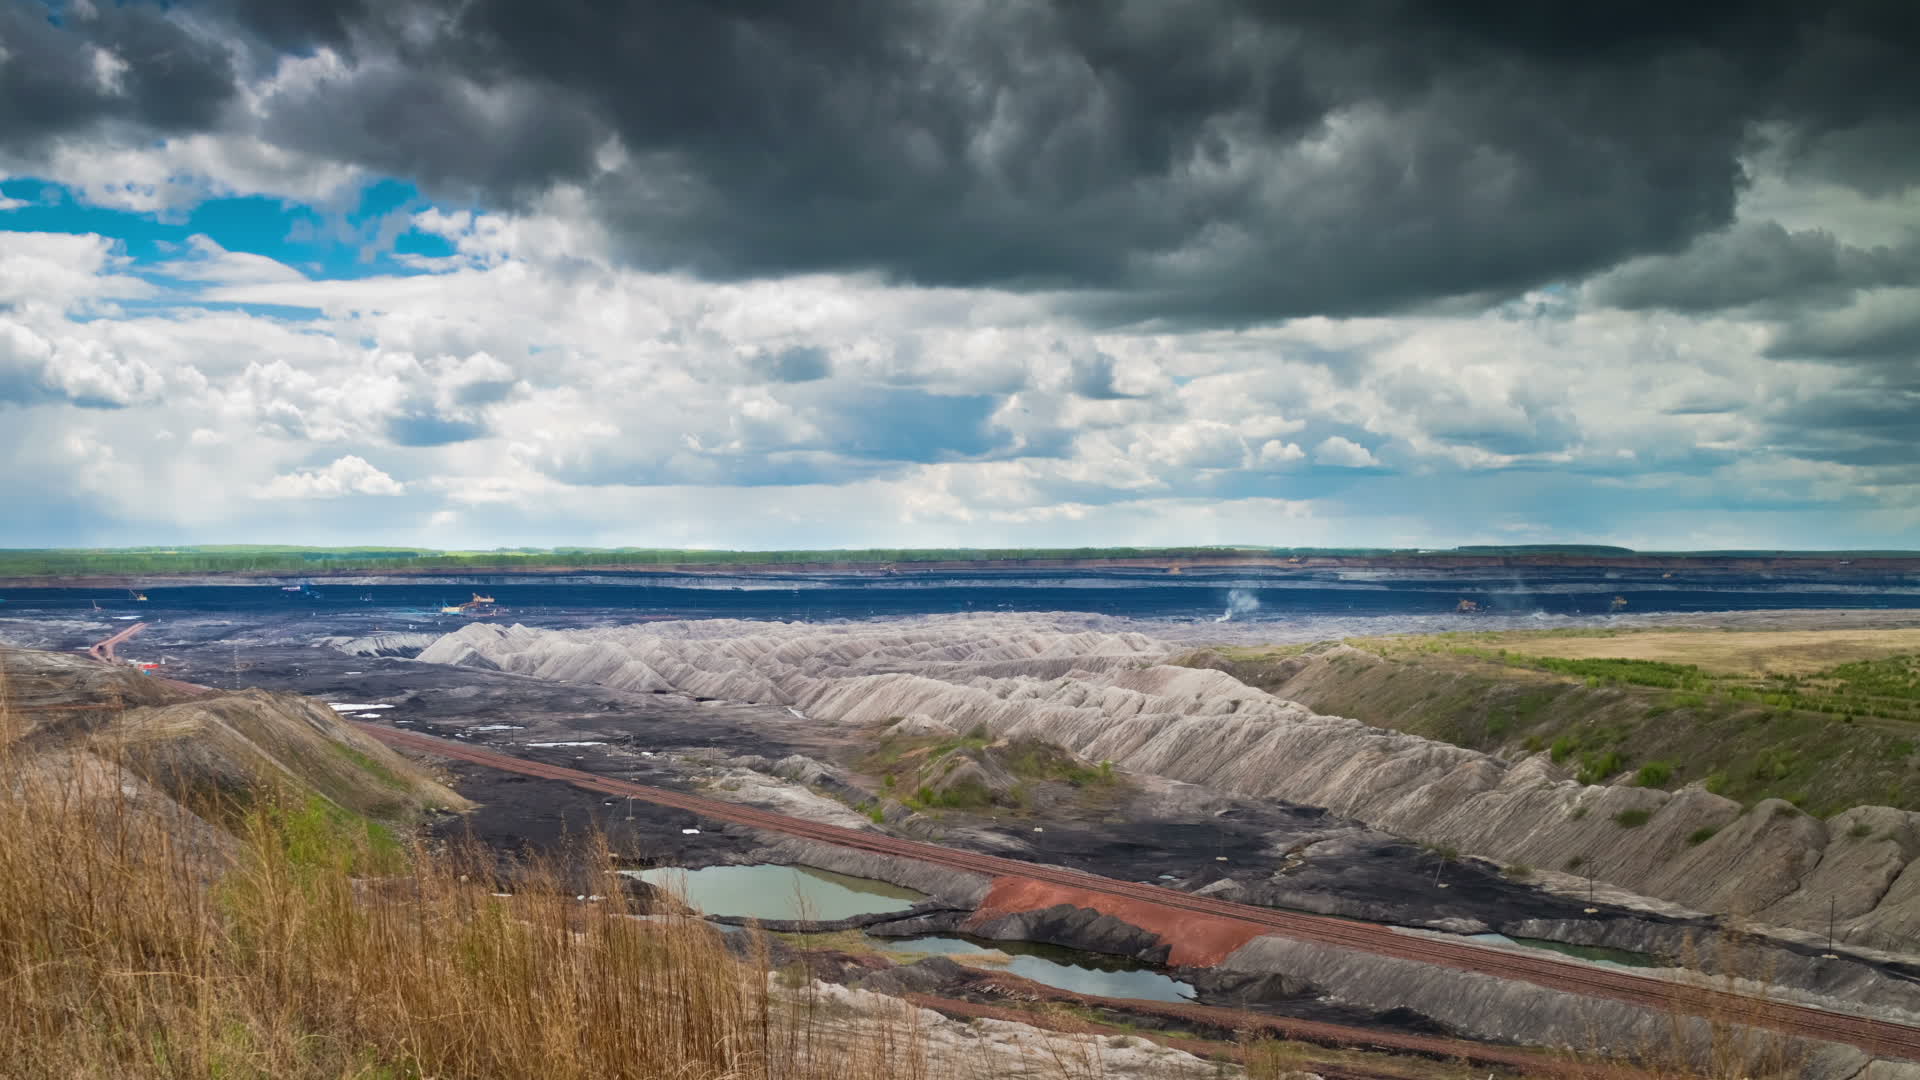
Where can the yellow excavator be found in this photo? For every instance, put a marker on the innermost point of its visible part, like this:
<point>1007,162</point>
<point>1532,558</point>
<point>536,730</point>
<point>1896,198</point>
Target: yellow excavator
<point>478,607</point>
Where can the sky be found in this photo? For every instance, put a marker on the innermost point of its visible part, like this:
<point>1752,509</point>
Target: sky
<point>852,273</point>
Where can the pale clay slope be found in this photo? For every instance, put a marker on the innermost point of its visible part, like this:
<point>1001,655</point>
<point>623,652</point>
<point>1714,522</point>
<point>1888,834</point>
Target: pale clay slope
<point>1107,696</point>
<point>923,1042</point>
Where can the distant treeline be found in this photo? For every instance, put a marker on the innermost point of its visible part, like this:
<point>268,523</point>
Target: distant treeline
<point>293,559</point>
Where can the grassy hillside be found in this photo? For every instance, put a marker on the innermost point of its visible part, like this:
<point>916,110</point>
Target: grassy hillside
<point>1825,720</point>
<point>298,964</point>
<point>299,940</point>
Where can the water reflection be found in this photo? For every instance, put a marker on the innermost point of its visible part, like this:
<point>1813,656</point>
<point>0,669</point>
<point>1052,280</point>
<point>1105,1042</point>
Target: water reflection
<point>780,892</point>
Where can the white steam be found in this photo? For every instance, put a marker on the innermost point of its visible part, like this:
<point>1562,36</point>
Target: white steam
<point>1239,602</point>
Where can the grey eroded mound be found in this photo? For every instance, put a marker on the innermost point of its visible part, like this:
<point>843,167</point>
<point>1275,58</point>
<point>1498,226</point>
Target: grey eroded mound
<point>1487,1007</point>
<point>1104,693</point>
<point>388,644</point>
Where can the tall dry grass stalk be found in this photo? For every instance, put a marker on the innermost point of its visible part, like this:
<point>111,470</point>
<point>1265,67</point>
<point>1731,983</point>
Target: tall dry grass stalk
<point>310,945</point>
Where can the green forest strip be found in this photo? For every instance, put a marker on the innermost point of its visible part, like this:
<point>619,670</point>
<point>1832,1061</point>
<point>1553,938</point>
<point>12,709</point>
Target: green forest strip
<point>298,560</point>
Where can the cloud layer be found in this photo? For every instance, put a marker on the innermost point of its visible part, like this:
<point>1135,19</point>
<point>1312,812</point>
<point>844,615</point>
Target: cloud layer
<point>865,272</point>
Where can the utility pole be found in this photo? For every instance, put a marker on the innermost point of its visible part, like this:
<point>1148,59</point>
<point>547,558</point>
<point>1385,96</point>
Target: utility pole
<point>1830,955</point>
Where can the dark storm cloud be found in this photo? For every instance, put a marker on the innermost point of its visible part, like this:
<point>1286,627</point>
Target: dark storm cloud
<point>1759,263</point>
<point>51,81</point>
<point>1212,161</point>
<point>1884,330</point>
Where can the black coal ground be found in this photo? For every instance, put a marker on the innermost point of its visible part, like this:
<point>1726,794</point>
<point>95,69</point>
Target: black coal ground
<point>1375,877</point>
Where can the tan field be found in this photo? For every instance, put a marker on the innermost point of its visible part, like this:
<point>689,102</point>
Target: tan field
<point>1731,652</point>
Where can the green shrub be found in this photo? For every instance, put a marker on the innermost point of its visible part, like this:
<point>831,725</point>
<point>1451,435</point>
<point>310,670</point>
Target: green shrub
<point>1776,763</point>
<point>1576,862</point>
<point>1860,829</point>
<point>1578,813</point>
<point>1597,765</point>
<point>1562,748</point>
<point>1632,819</point>
<point>1701,835</point>
<point>1518,870</point>
<point>1654,774</point>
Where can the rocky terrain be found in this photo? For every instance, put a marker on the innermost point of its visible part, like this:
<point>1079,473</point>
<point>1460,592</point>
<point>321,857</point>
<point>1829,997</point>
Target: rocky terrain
<point>1226,789</point>
<point>1109,696</point>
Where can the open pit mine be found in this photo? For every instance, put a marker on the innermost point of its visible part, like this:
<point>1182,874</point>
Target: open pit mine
<point>1181,778</point>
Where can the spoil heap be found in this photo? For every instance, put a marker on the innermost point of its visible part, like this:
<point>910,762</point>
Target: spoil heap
<point>1107,695</point>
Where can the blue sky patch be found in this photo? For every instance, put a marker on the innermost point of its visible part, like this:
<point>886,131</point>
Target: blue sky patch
<point>362,242</point>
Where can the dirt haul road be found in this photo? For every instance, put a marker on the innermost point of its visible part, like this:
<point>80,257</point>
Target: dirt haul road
<point>1879,1038</point>
<point>103,650</point>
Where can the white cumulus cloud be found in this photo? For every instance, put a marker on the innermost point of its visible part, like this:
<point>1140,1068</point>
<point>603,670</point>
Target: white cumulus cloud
<point>1340,451</point>
<point>349,475</point>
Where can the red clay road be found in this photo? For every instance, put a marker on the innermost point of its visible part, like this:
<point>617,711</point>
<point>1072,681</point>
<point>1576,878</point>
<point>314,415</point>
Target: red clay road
<point>103,651</point>
<point>1881,1038</point>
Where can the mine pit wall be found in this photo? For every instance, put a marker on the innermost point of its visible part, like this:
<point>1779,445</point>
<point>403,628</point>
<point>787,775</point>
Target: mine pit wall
<point>959,888</point>
<point>1796,974</point>
<point>1230,953</point>
<point>1771,862</point>
<point>1506,1010</point>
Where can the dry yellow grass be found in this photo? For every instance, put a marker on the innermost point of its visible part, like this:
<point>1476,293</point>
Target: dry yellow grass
<point>314,949</point>
<point>1726,652</point>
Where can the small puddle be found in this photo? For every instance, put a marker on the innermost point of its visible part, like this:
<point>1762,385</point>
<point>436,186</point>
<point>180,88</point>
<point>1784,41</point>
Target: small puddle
<point>1056,966</point>
<point>804,892</point>
<point>779,892</point>
<point>1598,954</point>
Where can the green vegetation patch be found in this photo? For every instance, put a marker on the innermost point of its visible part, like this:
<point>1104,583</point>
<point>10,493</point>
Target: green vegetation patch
<point>370,765</point>
<point>1654,774</point>
<point>317,834</point>
<point>1632,672</point>
<point>1832,739</point>
<point>975,771</point>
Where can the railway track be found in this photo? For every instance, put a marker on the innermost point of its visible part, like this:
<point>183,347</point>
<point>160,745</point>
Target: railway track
<point>1881,1038</point>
